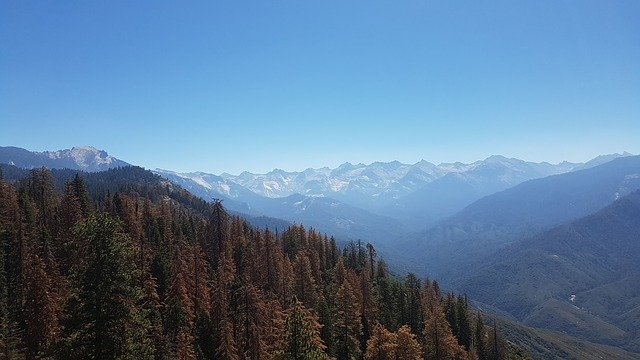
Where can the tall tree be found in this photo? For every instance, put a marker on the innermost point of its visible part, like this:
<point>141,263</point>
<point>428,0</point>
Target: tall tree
<point>40,308</point>
<point>305,284</point>
<point>252,323</point>
<point>225,345</point>
<point>104,321</point>
<point>10,335</point>
<point>302,335</point>
<point>439,342</point>
<point>495,345</point>
<point>479,338</point>
<point>348,323</point>
<point>381,345</point>
<point>408,347</point>
<point>413,308</point>
<point>11,346</point>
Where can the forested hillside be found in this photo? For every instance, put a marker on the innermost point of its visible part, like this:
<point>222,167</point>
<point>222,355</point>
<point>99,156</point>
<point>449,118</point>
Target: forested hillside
<point>122,265</point>
<point>507,217</point>
<point>580,278</point>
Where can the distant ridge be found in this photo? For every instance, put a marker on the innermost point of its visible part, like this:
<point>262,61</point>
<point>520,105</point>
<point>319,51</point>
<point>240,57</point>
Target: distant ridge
<point>594,258</point>
<point>85,158</point>
<point>519,212</point>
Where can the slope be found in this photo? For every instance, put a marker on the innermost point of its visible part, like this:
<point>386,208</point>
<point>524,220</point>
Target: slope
<point>84,158</point>
<point>594,258</point>
<point>524,210</point>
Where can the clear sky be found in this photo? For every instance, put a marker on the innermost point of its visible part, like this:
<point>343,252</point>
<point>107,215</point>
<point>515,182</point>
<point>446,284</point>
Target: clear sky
<point>237,85</point>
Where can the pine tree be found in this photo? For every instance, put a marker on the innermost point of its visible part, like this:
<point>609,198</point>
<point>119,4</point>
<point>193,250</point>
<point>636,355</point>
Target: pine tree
<point>184,350</point>
<point>413,309</point>
<point>251,319</point>
<point>439,342</point>
<point>71,213</point>
<point>479,338</point>
<point>495,345</point>
<point>80,192</point>
<point>348,323</point>
<point>387,312</point>
<point>10,336</point>
<point>408,347</point>
<point>40,308</point>
<point>465,334</point>
<point>305,284</point>
<point>217,243</point>
<point>225,346</point>
<point>104,319</point>
<point>368,309</point>
<point>302,335</point>
<point>381,345</point>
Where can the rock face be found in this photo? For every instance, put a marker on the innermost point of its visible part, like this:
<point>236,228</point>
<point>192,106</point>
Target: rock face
<point>85,158</point>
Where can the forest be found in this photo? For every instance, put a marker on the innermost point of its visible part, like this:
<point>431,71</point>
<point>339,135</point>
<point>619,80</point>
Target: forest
<point>124,265</point>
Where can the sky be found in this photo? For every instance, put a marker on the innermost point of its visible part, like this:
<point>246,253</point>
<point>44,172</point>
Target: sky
<point>234,85</point>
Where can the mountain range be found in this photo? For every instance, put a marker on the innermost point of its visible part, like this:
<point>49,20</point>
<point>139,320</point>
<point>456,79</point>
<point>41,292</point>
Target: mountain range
<point>417,195</point>
<point>506,217</point>
<point>519,237</point>
<point>85,158</point>
<point>579,278</point>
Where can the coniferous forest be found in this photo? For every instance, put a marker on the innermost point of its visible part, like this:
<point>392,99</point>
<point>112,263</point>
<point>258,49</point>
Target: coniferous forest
<point>124,265</point>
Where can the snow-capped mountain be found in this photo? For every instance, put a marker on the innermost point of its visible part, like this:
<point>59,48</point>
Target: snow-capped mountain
<point>359,184</point>
<point>379,184</point>
<point>417,194</point>
<point>456,189</point>
<point>372,197</point>
<point>323,213</point>
<point>85,158</point>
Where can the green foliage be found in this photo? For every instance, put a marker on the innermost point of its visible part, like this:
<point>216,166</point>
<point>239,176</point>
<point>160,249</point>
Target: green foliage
<point>104,320</point>
<point>10,334</point>
<point>302,336</point>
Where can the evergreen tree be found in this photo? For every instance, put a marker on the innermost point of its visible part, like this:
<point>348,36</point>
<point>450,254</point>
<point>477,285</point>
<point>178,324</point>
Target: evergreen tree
<point>10,336</point>
<point>465,333</point>
<point>495,345</point>
<point>439,342</point>
<point>413,309</point>
<point>225,346</point>
<point>104,321</point>
<point>407,345</point>
<point>81,195</point>
<point>302,335</point>
<point>250,317</point>
<point>40,308</point>
<point>348,323</point>
<point>381,345</point>
<point>305,284</point>
<point>479,340</point>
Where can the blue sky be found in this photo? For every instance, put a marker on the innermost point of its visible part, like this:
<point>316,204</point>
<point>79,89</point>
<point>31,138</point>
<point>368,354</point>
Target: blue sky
<point>238,85</point>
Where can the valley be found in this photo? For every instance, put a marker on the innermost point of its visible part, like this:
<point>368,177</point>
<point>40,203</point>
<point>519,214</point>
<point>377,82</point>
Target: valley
<point>518,238</point>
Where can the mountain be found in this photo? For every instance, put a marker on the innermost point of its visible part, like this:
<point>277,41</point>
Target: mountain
<point>555,345</point>
<point>580,278</point>
<point>129,240</point>
<point>85,158</point>
<point>464,184</point>
<point>524,210</point>
<point>210,187</point>
<point>417,194</point>
<point>328,215</point>
<point>360,185</point>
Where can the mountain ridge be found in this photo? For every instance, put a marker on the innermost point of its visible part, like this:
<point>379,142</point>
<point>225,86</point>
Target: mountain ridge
<point>85,158</point>
<point>521,211</point>
<point>579,278</point>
